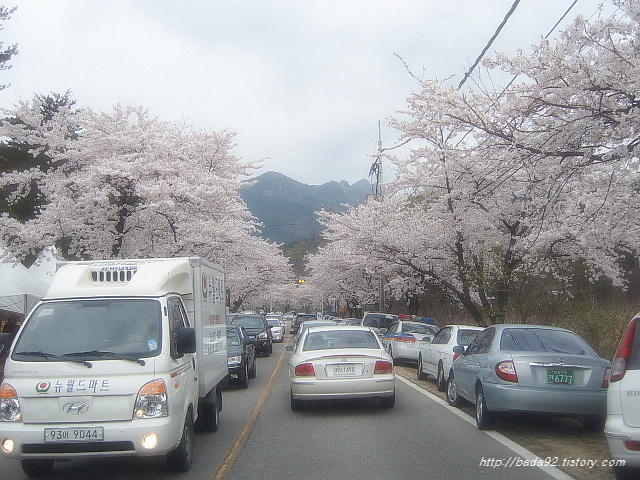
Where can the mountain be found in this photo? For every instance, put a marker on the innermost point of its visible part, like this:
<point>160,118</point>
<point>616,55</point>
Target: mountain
<point>287,208</point>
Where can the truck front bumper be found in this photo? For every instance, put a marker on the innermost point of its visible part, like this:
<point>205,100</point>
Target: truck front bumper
<point>161,435</point>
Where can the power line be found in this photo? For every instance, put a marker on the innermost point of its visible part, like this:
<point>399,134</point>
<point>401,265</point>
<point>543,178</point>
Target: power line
<point>545,37</point>
<point>412,57</point>
<point>484,50</point>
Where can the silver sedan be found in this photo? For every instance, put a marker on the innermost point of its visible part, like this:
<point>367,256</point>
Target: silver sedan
<point>530,368</point>
<point>336,362</point>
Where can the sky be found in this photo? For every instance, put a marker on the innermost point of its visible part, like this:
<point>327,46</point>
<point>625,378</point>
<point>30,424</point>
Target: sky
<point>303,84</point>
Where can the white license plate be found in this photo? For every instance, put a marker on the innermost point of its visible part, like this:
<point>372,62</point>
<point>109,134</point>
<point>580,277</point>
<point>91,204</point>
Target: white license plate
<point>344,369</point>
<point>74,434</point>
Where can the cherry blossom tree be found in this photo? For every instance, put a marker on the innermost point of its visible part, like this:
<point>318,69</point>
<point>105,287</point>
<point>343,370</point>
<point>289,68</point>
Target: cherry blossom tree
<point>505,185</point>
<point>128,185</point>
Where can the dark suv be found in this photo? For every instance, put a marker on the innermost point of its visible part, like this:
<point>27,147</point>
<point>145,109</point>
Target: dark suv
<point>379,321</point>
<point>258,331</point>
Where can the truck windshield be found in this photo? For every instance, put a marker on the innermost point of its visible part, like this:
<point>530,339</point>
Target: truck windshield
<point>92,329</point>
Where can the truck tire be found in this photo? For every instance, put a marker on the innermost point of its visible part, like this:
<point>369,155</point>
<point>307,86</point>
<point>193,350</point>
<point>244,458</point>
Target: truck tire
<point>37,468</point>
<point>209,412</point>
<point>181,458</point>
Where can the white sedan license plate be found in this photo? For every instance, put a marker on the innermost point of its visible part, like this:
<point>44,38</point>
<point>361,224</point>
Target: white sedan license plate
<point>74,434</point>
<point>344,369</point>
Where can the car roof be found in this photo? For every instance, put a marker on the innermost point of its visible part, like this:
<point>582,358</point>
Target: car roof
<point>327,328</point>
<point>469,327</point>
<point>504,326</point>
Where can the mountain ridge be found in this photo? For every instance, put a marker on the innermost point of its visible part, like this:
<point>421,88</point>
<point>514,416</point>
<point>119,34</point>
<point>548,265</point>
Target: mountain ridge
<point>287,208</point>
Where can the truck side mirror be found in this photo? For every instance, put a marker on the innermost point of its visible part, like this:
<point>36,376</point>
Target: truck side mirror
<point>186,340</point>
<point>5,344</point>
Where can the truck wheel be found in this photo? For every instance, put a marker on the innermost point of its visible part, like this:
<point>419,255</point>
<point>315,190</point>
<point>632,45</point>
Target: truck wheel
<point>209,413</point>
<point>180,458</point>
<point>252,371</point>
<point>37,468</point>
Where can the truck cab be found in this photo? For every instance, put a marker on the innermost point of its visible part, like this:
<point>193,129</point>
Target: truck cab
<point>120,358</point>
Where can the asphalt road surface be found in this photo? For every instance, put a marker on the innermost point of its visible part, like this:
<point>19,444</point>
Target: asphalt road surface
<point>260,438</point>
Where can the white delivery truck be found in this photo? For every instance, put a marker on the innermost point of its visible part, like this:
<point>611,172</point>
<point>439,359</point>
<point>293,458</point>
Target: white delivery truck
<point>122,357</point>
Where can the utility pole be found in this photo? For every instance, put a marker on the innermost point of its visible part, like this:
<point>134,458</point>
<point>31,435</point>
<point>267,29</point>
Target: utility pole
<point>376,169</point>
<point>378,194</point>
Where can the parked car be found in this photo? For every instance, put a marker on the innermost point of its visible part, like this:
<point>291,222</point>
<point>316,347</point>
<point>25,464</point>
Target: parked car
<point>241,356</point>
<point>530,368</point>
<point>300,318</point>
<point>435,357</point>
<point>335,362</point>
<point>277,327</point>
<point>379,321</point>
<point>622,428</point>
<point>402,338</point>
<point>258,330</point>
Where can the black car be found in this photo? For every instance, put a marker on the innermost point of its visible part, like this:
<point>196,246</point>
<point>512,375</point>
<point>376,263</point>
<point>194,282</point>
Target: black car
<point>379,321</point>
<point>258,330</point>
<point>241,357</point>
<point>299,318</point>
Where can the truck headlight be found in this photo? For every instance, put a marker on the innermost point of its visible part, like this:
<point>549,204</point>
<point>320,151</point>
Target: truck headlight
<point>9,406</point>
<point>151,401</point>
<point>234,360</point>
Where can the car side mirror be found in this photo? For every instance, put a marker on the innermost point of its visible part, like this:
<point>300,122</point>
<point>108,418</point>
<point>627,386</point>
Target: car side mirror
<point>288,348</point>
<point>427,339</point>
<point>383,331</point>
<point>459,349</point>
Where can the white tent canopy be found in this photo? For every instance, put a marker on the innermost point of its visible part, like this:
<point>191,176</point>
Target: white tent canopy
<point>20,289</point>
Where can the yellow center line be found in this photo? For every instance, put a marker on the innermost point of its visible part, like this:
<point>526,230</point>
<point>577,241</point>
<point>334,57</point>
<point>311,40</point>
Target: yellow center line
<point>236,448</point>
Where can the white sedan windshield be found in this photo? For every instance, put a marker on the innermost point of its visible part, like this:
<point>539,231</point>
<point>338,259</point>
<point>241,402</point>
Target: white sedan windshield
<point>340,339</point>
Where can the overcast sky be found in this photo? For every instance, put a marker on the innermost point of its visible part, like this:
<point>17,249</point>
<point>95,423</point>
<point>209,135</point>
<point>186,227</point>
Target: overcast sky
<point>302,83</point>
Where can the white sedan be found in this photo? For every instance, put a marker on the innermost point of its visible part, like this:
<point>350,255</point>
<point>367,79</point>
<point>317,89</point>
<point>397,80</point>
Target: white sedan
<point>336,362</point>
<point>436,357</point>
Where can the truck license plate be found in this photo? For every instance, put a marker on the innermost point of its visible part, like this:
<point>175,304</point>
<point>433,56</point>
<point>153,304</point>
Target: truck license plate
<point>74,434</point>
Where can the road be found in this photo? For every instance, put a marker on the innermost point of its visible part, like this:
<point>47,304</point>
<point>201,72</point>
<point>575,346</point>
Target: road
<point>261,438</point>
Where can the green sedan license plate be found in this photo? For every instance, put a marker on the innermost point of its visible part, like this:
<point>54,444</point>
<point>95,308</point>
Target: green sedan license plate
<point>560,376</point>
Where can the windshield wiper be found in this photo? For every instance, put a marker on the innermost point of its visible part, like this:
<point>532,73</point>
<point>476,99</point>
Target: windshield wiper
<point>103,353</point>
<point>46,355</point>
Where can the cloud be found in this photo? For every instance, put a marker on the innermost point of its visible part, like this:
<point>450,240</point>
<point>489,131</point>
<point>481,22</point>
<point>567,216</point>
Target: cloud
<point>302,83</point>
